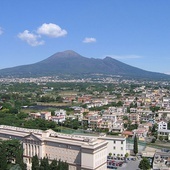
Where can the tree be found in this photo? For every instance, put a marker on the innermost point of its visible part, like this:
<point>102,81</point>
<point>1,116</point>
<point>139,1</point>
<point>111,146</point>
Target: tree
<point>53,165</point>
<point>16,167</point>
<point>65,166</point>
<point>153,140</point>
<point>135,145</point>
<point>153,130</point>
<point>35,162</point>
<point>131,127</point>
<point>11,150</point>
<point>169,125</point>
<point>128,109</point>
<point>125,118</point>
<point>19,158</point>
<point>3,159</point>
<point>154,108</point>
<point>161,138</point>
<point>44,164</point>
<point>126,155</point>
<point>110,154</point>
<point>119,103</point>
<point>144,164</point>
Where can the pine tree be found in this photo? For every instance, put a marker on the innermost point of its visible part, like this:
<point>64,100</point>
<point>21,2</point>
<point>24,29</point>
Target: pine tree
<point>135,145</point>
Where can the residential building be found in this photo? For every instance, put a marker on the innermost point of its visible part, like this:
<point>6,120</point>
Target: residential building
<point>60,116</point>
<point>127,134</point>
<point>141,133</point>
<point>45,115</point>
<point>164,114</point>
<point>161,160</point>
<point>164,133</point>
<point>134,117</point>
<point>94,121</point>
<point>116,145</point>
<point>118,126</point>
<point>42,115</point>
<point>162,125</point>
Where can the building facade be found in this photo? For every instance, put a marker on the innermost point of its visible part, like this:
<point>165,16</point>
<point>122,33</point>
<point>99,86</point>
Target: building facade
<point>116,145</point>
<point>80,152</point>
<point>162,125</point>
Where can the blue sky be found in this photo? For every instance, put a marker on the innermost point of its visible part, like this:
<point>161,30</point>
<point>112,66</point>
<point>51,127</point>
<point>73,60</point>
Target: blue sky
<point>132,31</point>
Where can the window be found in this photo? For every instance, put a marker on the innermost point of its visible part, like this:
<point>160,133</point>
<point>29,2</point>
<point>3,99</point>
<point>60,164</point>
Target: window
<point>121,148</point>
<point>121,142</point>
<point>114,147</point>
<point>114,141</point>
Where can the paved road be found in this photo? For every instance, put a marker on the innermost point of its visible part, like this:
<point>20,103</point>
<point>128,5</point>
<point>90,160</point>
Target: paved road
<point>130,165</point>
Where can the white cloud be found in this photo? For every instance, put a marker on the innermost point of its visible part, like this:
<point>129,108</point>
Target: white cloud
<point>30,38</point>
<point>51,30</point>
<point>1,31</point>
<point>89,40</point>
<point>125,56</point>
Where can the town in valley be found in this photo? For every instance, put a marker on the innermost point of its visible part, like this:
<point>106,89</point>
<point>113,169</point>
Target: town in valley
<point>88,118</point>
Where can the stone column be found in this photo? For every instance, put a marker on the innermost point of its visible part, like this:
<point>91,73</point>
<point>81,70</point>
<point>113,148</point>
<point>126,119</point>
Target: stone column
<point>38,152</point>
<point>30,150</point>
<point>26,149</point>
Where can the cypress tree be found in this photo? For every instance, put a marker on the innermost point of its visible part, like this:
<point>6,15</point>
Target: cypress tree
<point>3,159</point>
<point>35,162</point>
<point>59,165</point>
<point>135,145</point>
<point>53,165</point>
<point>44,164</point>
<point>65,165</point>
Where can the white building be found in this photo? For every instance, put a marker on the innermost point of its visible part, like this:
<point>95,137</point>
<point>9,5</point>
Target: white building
<point>164,114</point>
<point>60,112</point>
<point>116,145</point>
<point>165,133</point>
<point>162,125</point>
<point>80,152</point>
<point>60,116</point>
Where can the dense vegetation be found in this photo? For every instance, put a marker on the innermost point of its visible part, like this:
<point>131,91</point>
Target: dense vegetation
<point>11,154</point>
<point>11,158</point>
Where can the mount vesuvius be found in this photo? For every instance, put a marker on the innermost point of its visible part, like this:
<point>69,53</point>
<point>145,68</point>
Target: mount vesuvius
<point>71,63</point>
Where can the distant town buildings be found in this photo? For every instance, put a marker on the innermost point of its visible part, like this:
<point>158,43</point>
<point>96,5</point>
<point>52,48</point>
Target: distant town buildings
<point>59,116</point>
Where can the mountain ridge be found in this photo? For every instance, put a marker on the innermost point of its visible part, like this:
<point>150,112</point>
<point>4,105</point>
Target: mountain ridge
<point>71,63</point>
